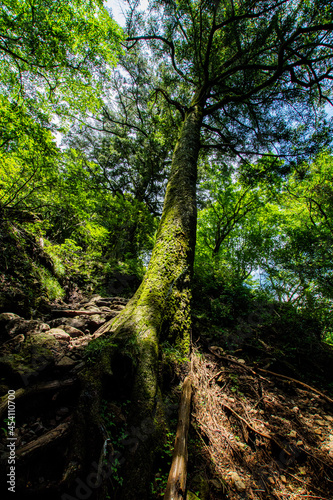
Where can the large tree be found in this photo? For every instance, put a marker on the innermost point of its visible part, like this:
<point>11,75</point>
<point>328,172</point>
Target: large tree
<point>242,75</point>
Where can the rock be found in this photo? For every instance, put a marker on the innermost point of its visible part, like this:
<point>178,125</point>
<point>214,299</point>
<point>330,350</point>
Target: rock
<point>299,443</point>
<point>36,354</point>
<point>14,344</point>
<point>95,309</point>
<point>22,326</point>
<point>242,361</point>
<point>216,484</point>
<point>66,362</point>
<point>6,317</point>
<point>329,418</point>
<point>237,482</point>
<point>94,322</point>
<point>42,328</point>
<point>79,322</point>
<point>283,479</point>
<point>104,302</point>
<point>54,323</point>
<point>78,367</point>
<point>292,434</point>
<point>59,334</point>
<point>73,332</point>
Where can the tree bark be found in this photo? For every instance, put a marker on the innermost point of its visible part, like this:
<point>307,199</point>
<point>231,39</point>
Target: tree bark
<point>159,311</point>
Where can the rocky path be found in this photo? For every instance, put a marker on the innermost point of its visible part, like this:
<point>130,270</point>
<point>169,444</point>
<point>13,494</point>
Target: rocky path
<point>39,363</point>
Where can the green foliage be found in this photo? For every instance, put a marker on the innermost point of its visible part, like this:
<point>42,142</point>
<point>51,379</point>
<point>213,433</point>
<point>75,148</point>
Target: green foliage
<point>27,158</point>
<point>53,52</point>
<point>50,285</point>
<point>96,347</point>
<point>172,355</point>
<point>159,483</point>
<point>219,294</point>
<point>117,435</point>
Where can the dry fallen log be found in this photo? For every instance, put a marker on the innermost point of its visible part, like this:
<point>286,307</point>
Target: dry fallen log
<point>176,485</point>
<point>43,441</point>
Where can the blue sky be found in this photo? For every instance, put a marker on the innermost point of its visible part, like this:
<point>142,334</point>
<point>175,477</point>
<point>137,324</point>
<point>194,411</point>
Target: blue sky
<point>119,6</point>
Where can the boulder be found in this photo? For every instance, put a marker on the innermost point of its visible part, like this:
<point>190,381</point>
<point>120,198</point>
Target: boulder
<point>66,363</point>
<point>19,325</point>
<point>237,482</point>
<point>73,332</point>
<point>79,322</point>
<point>6,317</point>
<point>94,322</point>
<point>93,309</point>
<point>37,353</point>
<point>59,334</point>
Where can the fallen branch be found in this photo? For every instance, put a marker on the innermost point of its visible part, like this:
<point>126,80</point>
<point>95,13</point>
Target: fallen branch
<point>36,389</point>
<point>263,434</point>
<point>176,485</point>
<point>235,362</point>
<point>43,441</point>
<point>308,387</point>
<point>214,376</point>
<point>262,370</point>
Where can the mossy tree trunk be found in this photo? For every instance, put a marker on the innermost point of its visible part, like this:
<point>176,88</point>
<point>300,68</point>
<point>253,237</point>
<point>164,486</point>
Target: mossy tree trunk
<point>160,309</point>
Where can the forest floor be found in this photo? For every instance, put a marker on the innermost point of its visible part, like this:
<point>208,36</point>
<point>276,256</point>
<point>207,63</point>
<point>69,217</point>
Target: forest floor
<point>256,435</point>
<point>261,427</point>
